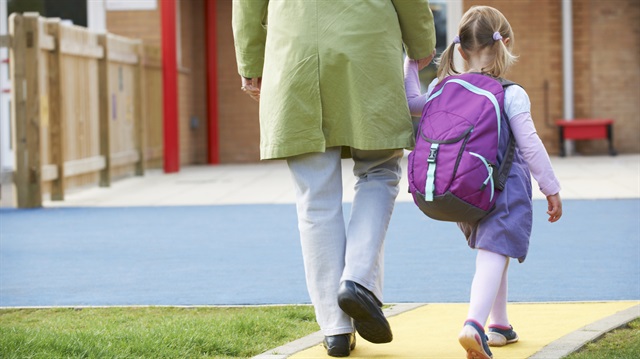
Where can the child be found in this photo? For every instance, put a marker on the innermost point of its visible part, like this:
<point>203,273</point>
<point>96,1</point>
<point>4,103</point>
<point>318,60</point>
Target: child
<point>485,40</point>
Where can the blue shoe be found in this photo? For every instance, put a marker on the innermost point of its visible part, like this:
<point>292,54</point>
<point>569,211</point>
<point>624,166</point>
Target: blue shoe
<point>474,341</point>
<point>500,335</point>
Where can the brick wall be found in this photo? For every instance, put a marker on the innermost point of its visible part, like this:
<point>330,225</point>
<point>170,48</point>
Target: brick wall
<point>614,71</point>
<point>582,44</point>
<point>238,114</point>
<point>192,90</point>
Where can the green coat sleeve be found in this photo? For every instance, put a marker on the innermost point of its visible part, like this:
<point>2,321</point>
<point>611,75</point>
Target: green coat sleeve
<point>250,34</point>
<point>418,30</point>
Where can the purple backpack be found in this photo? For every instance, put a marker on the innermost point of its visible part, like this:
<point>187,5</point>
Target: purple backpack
<point>464,149</point>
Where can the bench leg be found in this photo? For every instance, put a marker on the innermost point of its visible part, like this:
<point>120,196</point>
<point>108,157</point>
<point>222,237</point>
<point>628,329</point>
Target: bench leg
<point>562,151</point>
<point>612,151</point>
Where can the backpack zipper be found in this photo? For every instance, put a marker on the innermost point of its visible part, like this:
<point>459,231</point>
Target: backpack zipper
<point>489,171</point>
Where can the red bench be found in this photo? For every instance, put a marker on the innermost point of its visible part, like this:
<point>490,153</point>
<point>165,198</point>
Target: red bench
<point>586,129</point>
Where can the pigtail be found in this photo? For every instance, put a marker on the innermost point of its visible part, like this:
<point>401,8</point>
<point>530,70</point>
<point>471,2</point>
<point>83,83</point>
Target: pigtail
<point>445,62</point>
<point>503,59</point>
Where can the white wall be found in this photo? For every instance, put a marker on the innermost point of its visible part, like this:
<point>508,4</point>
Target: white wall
<point>454,15</point>
<point>96,15</point>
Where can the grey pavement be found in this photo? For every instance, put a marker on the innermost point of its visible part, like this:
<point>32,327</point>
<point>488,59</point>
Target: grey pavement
<point>269,182</point>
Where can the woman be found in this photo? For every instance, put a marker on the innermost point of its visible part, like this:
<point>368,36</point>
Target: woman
<point>329,79</point>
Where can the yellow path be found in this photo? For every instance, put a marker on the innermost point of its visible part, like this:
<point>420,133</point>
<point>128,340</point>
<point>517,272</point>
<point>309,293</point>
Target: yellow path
<point>431,331</point>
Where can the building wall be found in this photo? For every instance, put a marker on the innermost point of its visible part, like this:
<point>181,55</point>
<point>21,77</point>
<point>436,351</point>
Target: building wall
<point>582,45</point>
<point>192,82</point>
<point>141,24</point>
<point>238,114</point>
<point>612,47</point>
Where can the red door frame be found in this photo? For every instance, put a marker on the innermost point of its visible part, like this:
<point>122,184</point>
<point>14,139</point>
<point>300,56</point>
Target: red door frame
<point>213,153</point>
<point>170,86</point>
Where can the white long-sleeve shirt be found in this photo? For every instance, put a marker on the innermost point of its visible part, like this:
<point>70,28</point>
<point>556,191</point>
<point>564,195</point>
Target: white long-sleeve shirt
<point>517,108</point>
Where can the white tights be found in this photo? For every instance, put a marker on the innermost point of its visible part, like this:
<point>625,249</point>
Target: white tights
<point>489,289</point>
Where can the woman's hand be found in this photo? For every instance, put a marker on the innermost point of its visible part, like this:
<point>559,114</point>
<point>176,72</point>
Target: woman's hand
<point>252,87</point>
<point>555,207</point>
<point>422,63</point>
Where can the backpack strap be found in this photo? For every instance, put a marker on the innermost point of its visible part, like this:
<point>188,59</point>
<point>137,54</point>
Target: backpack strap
<point>429,187</point>
<point>501,175</point>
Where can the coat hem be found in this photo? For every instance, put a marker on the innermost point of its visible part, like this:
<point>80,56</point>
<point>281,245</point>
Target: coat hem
<point>277,152</point>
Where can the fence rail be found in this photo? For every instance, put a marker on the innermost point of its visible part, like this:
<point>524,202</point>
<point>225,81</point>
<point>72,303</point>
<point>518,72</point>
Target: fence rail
<point>82,102</point>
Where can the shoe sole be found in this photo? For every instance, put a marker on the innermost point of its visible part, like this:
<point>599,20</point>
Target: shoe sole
<point>499,340</point>
<point>470,340</point>
<point>375,329</point>
<point>339,352</point>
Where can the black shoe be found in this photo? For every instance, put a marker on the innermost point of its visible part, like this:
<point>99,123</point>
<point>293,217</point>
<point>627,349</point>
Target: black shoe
<point>365,309</point>
<point>339,345</point>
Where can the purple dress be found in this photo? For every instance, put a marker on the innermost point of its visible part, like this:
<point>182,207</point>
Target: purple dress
<point>507,228</point>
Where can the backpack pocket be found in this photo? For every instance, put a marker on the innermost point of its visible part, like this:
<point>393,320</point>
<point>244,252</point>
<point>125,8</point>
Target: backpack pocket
<point>474,183</point>
<point>434,162</point>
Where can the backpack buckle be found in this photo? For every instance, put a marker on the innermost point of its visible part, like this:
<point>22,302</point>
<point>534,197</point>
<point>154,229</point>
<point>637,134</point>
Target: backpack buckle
<point>433,152</point>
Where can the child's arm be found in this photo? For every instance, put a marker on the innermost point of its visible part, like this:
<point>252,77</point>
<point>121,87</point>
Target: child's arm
<point>415,100</point>
<point>537,159</point>
<point>534,153</point>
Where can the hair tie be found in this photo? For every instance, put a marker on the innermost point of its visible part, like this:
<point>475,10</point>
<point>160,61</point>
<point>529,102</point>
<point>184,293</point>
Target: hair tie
<point>497,36</point>
<point>456,40</point>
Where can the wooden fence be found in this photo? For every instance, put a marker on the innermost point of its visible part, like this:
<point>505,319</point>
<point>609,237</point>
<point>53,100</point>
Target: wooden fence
<point>87,107</point>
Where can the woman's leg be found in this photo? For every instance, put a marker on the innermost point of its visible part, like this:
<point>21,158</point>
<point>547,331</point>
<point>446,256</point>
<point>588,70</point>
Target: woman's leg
<point>318,181</point>
<point>376,189</point>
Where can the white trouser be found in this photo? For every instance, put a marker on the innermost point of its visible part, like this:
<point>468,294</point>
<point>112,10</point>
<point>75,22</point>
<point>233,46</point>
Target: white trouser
<point>333,252</point>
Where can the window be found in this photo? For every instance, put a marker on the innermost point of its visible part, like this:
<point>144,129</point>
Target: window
<point>73,10</point>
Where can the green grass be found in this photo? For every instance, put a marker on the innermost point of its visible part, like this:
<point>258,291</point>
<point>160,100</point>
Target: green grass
<point>623,343</point>
<point>151,332</point>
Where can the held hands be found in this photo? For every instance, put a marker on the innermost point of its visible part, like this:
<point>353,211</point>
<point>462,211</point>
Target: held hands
<point>555,207</point>
<point>422,63</point>
<point>252,87</point>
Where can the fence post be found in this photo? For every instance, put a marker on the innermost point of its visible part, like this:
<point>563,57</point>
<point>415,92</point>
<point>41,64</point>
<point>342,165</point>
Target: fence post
<point>103,100</point>
<point>24,62</point>
<point>56,128</point>
<point>140,129</point>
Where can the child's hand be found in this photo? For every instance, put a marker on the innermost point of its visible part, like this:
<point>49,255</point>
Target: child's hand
<point>555,207</point>
<point>252,87</point>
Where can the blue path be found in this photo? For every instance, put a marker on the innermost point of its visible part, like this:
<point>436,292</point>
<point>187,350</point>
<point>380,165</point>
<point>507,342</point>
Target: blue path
<point>249,254</point>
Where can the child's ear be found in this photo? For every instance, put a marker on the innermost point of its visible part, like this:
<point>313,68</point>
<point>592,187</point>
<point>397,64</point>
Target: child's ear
<point>462,53</point>
<point>506,41</point>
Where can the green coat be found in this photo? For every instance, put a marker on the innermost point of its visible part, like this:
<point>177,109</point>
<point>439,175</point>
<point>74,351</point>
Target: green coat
<point>331,70</point>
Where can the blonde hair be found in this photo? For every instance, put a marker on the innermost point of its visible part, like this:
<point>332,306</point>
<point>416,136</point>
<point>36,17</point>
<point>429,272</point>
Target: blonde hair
<point>475,33</point>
